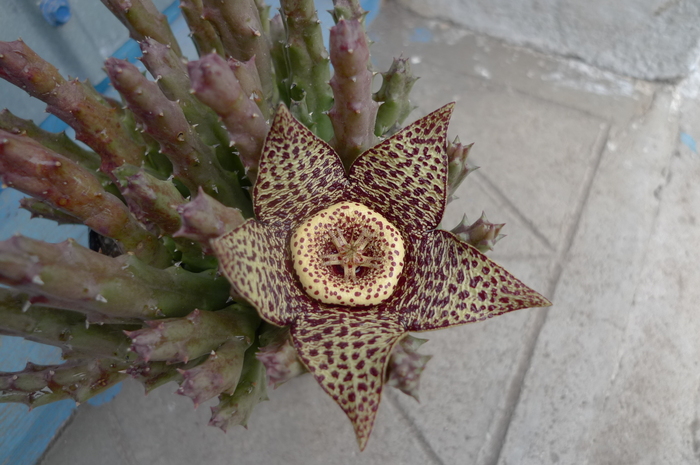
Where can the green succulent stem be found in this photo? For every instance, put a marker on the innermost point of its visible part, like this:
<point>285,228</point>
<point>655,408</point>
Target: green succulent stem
<point>64,185</point>
<point>96,122</point>
<point>348,9</point>
<point>39,209</point>
<point>142,19</point>
<point>481,234</point>
<point>206,39</point>
<point>61,328</point>
<point>220,373</point>
<point>235,409</point>
<point>176,340</point>
<point>79,380</point>
<point>278,52</point>
<point>309,66</point>
<point>393,97</point>
<point>458,167</point>
<point>71,277</point>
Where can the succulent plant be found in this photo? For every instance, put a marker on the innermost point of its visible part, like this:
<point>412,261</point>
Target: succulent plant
<point>254,161</point>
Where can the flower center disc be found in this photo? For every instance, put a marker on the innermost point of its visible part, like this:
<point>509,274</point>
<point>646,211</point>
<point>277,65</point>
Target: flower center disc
<point>348,254</point>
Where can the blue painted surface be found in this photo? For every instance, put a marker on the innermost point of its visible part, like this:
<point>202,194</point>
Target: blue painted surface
<point>421,34</point>
<point>689,142</point>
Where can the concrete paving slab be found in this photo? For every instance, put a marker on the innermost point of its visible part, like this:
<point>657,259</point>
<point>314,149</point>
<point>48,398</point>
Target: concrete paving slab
<point>438,46</point>
<point>651,412</point>
<point>300,425</point>
<point>577,353</point>
<point>646,39</point>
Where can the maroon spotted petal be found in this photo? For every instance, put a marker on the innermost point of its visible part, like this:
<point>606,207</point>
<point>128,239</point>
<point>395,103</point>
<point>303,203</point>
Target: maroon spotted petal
<point>347,352</point>
<point>451,283</point>
<point>299,173</point>
<point>405,177</point>
<point>254,259</point>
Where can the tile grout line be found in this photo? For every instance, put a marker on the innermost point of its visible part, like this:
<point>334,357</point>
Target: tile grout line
<point>508,204</point>
<point>417,432</point>
<point>491,452</point>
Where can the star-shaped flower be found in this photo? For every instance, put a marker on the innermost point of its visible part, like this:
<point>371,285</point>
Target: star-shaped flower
<point>353,262</point>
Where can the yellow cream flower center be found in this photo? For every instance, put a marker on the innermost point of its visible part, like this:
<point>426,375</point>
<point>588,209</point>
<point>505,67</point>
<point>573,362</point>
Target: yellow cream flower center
<point>348,255</point>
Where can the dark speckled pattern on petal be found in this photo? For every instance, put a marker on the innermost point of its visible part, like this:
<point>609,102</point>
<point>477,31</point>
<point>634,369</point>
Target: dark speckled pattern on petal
<point>404,178</point>
<point>347,351</point>
<point>299,173</point>
<point>457,284</point>
<point>254,258</point>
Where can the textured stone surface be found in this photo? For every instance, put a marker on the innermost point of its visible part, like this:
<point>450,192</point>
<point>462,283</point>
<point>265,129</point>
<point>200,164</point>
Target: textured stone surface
<point>647,39</point>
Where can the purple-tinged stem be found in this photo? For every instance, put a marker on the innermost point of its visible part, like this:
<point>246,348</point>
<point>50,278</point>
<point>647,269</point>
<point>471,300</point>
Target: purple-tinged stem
<point>171,75</point>
<point>58,142</point>
<point>220,373</point>
<point>481,234</point>
<point>249,79</point>
<point>194,163</point>
<point>79,380</point>
<point>458,167</point>
<point>33,169</point>
<point>96,123</point>
<point>406,366</point>
<point>176,340</point>
<point>279,357</point>
<point>71,277</point>
<point>152,201</point>
<point>235,409</point>
<point>204,219</point>
<point>354,112</point>
<point>238,24</point>
<point>156,374</point>
<point>142,19</point>
<point>215,84</point>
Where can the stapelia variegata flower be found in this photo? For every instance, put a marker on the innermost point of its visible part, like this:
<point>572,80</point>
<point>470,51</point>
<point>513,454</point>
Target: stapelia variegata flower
<point>353,262</point>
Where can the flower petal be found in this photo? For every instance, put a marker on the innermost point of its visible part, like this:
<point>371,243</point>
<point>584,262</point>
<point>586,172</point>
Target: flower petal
<point>452,283</point>
<point>254,259</point>
<point>347,351</point>
<point>298,174</point>
<point>405,177</point>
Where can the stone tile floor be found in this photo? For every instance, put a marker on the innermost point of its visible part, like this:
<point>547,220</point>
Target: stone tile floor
<point>598,180</point>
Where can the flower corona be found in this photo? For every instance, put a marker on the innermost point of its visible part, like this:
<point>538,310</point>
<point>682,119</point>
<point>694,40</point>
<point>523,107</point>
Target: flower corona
<point>348,255</point>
